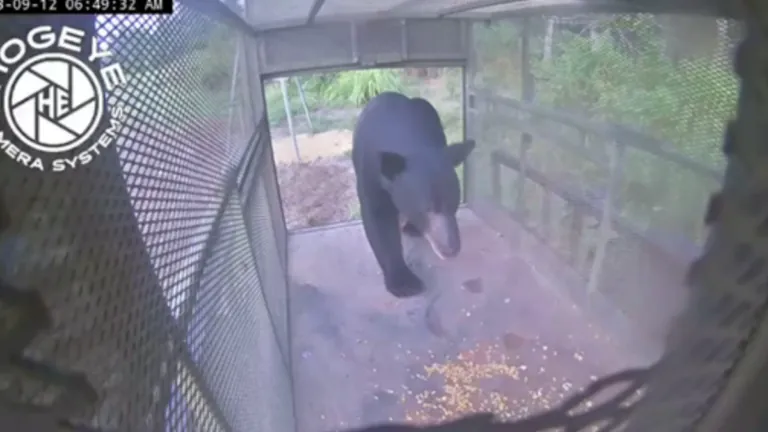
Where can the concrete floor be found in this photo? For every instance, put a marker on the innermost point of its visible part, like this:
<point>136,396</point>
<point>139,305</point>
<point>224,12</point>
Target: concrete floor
<point>490,334</point>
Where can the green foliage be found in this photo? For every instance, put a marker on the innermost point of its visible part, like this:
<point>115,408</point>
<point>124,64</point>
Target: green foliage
<point>497,49</point>
<point>685,104</point>
<point>274,99</point>
<point>195,80</point>
<point>350,89</point>
<point>627,75</point>
<point>453,124</point>
<point>358,87</point>
<point>313,93</point>
<point>217,60</point>
<point>497,39</point>
<point>318,84</point>
<point>453,82</point>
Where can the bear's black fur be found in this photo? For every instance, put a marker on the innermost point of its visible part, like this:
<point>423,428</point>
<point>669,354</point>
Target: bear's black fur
<point>406,180</point>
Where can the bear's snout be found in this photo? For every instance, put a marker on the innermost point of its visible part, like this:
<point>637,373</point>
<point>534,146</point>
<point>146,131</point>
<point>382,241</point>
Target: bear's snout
<point>443,235</point>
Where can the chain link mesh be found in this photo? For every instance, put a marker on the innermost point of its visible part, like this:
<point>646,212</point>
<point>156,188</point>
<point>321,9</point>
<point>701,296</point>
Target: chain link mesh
<point>162,296</point>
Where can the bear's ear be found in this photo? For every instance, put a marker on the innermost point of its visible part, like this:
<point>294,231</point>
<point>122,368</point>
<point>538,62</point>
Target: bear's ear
<point>392,164</point>
<point>457,153</point>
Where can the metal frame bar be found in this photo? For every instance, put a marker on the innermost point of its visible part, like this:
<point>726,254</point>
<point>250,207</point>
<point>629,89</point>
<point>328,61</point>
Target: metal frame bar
<point>474,5</point>
<point>359,66</point>
<point>467,108</point>
<point>473,11</point>
<point>536,6</point>
<point>563,7</point>
<point>255,82</point>
<point>267,137</point>
<point>256,165</point>
<point>316,6</point>
<point>351,55</point>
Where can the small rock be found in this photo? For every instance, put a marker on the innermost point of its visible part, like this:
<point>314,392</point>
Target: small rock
<point>512,341</point>
<point>473,285</point>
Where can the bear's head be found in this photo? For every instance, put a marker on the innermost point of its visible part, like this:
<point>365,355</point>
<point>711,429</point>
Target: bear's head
<point>425,190</point>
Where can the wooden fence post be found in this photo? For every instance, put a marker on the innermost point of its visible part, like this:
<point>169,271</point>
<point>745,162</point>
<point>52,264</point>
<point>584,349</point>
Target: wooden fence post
<point>526,139</point>
<point>604,230</point>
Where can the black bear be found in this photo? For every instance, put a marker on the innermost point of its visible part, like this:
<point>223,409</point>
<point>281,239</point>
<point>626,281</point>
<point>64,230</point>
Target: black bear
<point>406,180</point>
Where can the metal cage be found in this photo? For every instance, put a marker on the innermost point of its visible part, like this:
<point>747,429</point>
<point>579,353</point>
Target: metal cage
<point>145,287</point>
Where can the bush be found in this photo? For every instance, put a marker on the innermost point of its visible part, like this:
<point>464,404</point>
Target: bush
<point>685,104</point>
<point>627,76</point>
<point>273,96</point>
<point>358,87</point>
<point>330,90</point>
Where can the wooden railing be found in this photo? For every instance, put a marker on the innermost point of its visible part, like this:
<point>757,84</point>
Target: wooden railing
<point>620,138</point>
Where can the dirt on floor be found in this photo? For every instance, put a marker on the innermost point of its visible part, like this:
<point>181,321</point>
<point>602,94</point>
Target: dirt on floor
<point>317,193</point>
<point>319,190</point>
<point>489,334</point>
<point>313,146</point>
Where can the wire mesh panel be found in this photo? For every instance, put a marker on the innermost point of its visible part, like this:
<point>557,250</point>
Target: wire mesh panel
<point>142,253</point>
<point>73,239</point>
<point>601,135</point>
<point>251,383</point>
<point>266,230</point>
<point>725,325</point>
<point>275,207</point>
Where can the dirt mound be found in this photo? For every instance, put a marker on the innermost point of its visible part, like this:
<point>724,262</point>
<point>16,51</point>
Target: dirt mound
<point>317,193</point>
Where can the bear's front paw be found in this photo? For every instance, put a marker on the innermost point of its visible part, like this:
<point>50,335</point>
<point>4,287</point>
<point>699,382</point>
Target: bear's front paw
<point>403,283</point>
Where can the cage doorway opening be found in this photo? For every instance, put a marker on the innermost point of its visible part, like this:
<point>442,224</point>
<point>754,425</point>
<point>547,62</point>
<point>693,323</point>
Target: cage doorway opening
<point>314,168</point>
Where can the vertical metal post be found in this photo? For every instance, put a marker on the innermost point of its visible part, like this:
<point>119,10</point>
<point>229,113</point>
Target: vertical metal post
<point>546,215</point>
<point>304,104</point>
<point>253,71</point>
<point>527,95</point>
<point>575,234</point>
<point>288,116</point>
<point>243,128</point>
<point>468,108</point>
<point>232,88</point>
<point>355,43</point>
<point>403,40</point>
<point>605,228</point>
<point>231,108</point>
<point>496,182</point>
